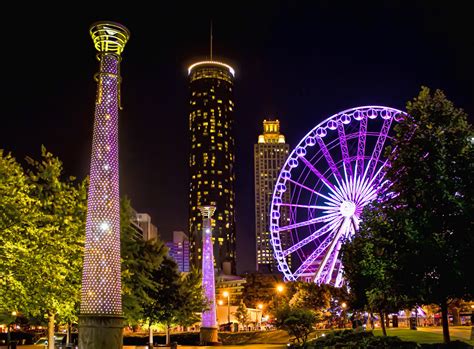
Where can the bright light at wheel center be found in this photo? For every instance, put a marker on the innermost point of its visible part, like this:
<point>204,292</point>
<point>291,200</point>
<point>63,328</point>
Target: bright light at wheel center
<point>347,208</point>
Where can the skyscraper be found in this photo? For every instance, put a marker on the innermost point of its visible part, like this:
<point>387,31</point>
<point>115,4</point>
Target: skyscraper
<point>270,154</point>
<point>179,250</point>
<point>211,157</point>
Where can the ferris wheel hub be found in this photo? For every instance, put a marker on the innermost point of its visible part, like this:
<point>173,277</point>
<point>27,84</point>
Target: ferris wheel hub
<point>347,208</point>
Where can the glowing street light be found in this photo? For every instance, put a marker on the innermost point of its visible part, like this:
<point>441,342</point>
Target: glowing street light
<point>343,305</point>
<point>260,306</point>
<point>226,294</point>
<point>280,288</point>
<point>220,302</point>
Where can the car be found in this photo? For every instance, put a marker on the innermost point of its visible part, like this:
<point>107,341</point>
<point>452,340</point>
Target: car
<point>59,340</point>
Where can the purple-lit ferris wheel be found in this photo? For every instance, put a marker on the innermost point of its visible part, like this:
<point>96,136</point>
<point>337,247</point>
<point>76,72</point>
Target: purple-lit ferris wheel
<point>336,169</point>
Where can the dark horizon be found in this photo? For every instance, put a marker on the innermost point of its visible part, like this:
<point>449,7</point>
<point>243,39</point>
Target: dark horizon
<point>299,63</point>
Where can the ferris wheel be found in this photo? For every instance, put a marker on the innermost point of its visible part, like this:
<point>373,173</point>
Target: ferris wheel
<point>336,170</point>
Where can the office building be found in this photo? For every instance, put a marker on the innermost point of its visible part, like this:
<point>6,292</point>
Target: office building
<point>179,250</point>
<point>270,154</point>
<point>211,158</point>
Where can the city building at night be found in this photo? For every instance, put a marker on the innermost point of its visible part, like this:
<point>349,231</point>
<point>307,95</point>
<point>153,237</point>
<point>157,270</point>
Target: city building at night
<point>270,153</point>
<point>211,158</point>
<point>145,229</point>
<point>179,250</point>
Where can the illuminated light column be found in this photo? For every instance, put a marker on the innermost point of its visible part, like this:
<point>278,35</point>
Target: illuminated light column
<point>208,331</point>
<point>101,320</point>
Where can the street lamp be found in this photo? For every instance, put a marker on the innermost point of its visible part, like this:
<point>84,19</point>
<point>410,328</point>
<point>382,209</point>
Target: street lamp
<point>280,288</point>
<point>226,294</point>
<point>260,306</point>
<point>220,302</point>
<point>344,306</point>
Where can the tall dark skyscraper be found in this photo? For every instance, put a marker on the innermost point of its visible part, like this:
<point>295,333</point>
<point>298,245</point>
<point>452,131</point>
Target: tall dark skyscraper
<point>211,159</point>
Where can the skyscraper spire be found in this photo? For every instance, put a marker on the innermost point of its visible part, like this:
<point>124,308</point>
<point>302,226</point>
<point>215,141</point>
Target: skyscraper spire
<point>210,40</point>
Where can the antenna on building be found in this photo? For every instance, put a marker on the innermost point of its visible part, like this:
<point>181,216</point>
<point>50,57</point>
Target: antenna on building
<point>210,39</point>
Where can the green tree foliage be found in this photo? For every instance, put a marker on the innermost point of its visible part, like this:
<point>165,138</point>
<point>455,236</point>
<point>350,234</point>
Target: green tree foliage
<point>18,213</point>
<point>242,314</point>
<point>372,265</point>
<point>195,303</point>
<point>298,322</point>
<point>139,261</point>
<point>260,288</point>
<point>177,299</point>
<point>417,246</point>
<point>46,252</point>
<point>432,174</point>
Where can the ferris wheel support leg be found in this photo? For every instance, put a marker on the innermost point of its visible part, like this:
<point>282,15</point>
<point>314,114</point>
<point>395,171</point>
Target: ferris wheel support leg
<point>331,248</point>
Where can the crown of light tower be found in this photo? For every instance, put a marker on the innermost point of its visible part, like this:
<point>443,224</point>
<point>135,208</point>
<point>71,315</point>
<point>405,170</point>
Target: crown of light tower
<point>109,37</point>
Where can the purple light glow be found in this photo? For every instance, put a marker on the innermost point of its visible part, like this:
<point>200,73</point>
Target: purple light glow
<point>336,170</point>
<point>209,316</point>
<point>101,279</point>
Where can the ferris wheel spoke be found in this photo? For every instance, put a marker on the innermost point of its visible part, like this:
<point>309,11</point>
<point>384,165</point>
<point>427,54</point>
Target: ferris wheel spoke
<point>328,158</point>
<point>361,144</point>
<point>341,231</point>
<point>332,208</point>
<point>379,145</point>
<point>322,219</point>
<point>314,255</point>
<point>340,271</point>
<point>321,231</point>
<point>322,178</point>
<point>332,263</point>
<point>344,150</point>
<point>313,191</point>
<point>369,187</point>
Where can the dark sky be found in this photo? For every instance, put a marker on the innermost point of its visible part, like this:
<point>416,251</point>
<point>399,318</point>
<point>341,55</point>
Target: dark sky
<point>299,61</point>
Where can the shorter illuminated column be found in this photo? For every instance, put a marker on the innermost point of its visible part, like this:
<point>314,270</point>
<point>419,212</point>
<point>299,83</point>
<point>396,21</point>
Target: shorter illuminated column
<point>208,333</point>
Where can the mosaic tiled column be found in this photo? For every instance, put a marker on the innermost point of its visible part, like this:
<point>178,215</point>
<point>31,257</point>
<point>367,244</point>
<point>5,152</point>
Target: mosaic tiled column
<point>101,320</point>
<point>208,331</point>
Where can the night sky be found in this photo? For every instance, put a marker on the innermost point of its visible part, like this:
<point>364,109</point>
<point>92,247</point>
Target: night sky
<point>299,62</point>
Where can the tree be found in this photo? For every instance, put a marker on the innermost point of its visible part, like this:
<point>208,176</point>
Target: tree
<point>415,245</point>
<point>260,288</point>
<point>47,251</point>
<point>166,298</point>
<point>18,213</point>
<point>431,172</point>
<point>195,303</point>
<point>242,314</point>
<point>371,264</point>
<point>140,259</point>
<point>297,322</point>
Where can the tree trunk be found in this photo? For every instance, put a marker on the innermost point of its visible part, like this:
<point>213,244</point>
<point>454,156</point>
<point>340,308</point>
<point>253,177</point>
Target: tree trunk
<point>50,331</point>
<point>150,336</point>
<point>456,317</point>
<point>382,322</point>
<point>167,334</point>
<point>387,321</point>
<point>444,319</point>
<point>372,321</point>
<point>68,333</point>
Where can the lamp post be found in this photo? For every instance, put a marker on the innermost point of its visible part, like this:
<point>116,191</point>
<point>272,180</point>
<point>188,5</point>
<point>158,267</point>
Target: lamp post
<point>260,306</point>
<point>344,306</point>
<point>280,288</point>
<point>226,294</point>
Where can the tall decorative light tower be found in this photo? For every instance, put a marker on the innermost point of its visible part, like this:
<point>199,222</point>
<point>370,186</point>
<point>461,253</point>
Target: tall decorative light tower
<point>208,331</point>
<point>101,320</point>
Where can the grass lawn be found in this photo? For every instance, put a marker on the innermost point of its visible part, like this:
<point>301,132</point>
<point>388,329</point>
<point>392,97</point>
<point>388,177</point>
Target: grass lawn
<point>429,334</point>
<point>422,335</point>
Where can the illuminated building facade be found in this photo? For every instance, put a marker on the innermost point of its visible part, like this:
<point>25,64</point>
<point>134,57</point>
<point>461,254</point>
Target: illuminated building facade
<point>101,320</point>
<point>179,250</point>
<point>211,158</point>
<point>270,154</point>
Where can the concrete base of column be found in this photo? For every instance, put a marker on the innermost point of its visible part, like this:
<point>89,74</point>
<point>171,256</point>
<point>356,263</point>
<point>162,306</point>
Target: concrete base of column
<point>100,332</point>
<point>208,336</point>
